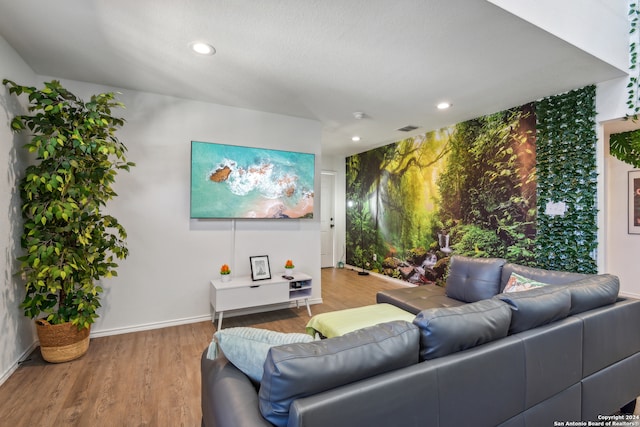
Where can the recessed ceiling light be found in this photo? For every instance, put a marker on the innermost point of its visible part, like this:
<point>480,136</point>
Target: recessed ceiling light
<point>355,138</point>
<point>443,105</point>
<point>202,48</point>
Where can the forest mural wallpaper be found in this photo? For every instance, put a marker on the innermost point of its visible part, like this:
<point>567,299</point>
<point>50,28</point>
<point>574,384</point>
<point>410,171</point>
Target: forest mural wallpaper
<point>468,189</point>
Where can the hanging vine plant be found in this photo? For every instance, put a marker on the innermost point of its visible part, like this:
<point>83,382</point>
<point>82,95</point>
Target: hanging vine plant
<point>566,169</point>
<point>633,92</point>
<point>625,146</point>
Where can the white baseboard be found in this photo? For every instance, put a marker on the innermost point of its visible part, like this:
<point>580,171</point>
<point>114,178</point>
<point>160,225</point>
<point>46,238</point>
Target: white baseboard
<point>630,295</point>
<point>381,276</point>
<point>195,319</point>
<point>5,375</point>
<point>149,326</point>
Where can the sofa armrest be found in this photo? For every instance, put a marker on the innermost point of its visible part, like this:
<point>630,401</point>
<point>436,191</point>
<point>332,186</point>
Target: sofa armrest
<point>610,334</point>
<point>229,398</point>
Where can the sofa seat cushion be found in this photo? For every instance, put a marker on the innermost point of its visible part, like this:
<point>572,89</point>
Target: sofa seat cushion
<point>448,330</point>
<point>297,370</point>
<point>593,292</point>
<point>340,322</point>
<point>418,298</point>
<point>473,279</point>
<point>537,307</point>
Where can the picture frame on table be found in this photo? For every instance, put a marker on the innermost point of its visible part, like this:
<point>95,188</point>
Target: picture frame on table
<point>260,267</point>
<point>634,202</point>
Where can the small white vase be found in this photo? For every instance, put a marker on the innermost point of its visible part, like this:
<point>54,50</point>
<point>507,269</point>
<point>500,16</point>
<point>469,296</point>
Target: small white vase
<point>225,277</point>
<point>288,271</point>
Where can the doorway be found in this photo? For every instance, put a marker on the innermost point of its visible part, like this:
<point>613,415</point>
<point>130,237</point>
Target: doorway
<point>327,219</point>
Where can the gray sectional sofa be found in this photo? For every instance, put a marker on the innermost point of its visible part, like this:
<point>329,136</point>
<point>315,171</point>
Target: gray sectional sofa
<point>565,352</point>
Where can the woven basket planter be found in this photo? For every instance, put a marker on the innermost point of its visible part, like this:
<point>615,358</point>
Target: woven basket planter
<point>63,342</point>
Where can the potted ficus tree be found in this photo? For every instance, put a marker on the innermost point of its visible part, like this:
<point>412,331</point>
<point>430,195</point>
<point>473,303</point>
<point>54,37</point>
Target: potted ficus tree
<point>69,242</point>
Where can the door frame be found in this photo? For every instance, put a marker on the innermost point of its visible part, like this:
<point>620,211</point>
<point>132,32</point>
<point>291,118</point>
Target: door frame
<point>328,198</point>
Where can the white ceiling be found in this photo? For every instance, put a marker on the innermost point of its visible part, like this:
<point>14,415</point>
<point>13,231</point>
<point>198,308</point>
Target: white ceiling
<point>321,60</point>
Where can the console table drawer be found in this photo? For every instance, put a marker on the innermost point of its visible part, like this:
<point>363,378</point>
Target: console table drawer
<point>249,296</point>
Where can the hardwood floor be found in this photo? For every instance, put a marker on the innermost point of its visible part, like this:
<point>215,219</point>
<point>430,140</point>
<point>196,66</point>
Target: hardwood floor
<point>150,378</point>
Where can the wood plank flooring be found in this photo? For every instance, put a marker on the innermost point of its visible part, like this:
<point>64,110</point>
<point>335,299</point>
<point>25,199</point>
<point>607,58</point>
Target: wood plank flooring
<point>150,378</point>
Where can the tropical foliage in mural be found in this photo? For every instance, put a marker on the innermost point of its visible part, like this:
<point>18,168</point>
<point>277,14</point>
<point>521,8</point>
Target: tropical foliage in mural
<point>467,189</point>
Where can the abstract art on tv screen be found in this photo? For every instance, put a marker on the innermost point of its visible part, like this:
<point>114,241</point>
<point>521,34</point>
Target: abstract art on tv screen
<point>230,181</point>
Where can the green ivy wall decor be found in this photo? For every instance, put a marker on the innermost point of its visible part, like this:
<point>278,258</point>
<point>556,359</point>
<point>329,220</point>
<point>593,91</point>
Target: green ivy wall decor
<point>566,169</point>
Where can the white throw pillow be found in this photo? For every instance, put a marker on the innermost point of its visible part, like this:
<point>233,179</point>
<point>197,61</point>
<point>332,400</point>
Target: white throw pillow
<point>519,283</point>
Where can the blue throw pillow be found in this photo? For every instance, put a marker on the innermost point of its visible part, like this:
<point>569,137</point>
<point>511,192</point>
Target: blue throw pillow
<point>247,348</point>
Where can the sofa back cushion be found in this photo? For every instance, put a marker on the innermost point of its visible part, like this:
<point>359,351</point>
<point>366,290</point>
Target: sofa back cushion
<point>473,279</point>
<point>550,277</point>
<point>592,292</point>
<point>537,307</point>
<point>448,330</point>
<point>297,370</point>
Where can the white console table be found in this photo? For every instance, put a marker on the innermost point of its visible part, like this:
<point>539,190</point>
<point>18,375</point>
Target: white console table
<point>242,292</point>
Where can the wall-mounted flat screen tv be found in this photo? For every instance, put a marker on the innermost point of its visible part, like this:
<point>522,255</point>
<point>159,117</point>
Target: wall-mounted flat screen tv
<point>229,181</point>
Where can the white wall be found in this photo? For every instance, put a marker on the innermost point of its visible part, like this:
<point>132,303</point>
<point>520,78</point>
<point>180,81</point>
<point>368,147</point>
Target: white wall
<point>581,23</point>
<point>619,250</point>
<point>16,331</point>
<point>622,248</point>
<point>165,279</point>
